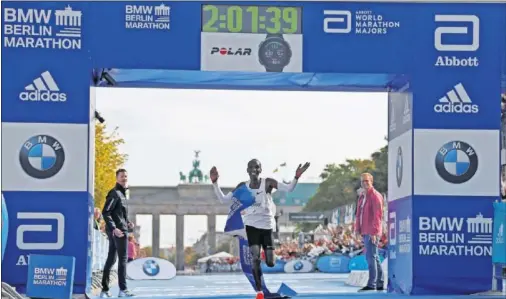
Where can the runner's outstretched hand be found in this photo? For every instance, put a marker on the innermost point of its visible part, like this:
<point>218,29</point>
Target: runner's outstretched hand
<point>301,169</point>
<point>213,175</point>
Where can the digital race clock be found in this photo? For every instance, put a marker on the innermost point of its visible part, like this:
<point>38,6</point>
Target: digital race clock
<point>251,19</point>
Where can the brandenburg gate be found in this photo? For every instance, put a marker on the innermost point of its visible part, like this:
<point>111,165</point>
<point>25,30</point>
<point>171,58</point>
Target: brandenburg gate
<point>192,197</point>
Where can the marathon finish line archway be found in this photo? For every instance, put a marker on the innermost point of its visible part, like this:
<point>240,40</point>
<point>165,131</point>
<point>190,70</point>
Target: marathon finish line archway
<point>441,63</point>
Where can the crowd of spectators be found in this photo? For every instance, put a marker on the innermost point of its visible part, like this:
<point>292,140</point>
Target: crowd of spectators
<point>325,239</point>
<point>215,265</point>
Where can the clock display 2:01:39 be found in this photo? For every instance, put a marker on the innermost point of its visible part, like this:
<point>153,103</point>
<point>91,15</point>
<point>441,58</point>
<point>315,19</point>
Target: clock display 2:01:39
<point>251,19</point>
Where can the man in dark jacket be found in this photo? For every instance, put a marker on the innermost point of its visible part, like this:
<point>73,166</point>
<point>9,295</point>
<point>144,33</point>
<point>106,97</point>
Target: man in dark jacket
<point>115,214</point>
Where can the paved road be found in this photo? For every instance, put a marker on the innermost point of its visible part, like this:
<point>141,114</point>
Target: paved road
<point>235,286</point>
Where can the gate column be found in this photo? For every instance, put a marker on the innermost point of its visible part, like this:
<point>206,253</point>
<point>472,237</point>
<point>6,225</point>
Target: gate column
<point>211,233</point>
<point>155,248</point>
<point>444,170</point>
<point>179,242</point>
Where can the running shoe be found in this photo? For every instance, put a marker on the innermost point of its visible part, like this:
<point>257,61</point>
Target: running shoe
<point>367,289</point>
<point>125,293</point>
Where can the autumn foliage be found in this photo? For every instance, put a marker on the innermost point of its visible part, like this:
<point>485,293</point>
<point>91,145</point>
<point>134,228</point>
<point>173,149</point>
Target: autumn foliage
<point>108,159</point>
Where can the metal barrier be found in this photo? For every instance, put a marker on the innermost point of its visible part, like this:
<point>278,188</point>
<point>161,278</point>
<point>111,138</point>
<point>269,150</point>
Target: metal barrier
<point>100,249</point>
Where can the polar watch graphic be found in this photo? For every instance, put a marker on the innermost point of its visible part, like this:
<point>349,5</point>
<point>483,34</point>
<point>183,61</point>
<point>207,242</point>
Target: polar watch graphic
<point>274,53</point>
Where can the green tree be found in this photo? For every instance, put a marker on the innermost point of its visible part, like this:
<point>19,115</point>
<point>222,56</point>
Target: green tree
<point>172,257</point>
<point>148,250</point>
<point>340,182</point>
<point>380,172</point>
<point>108,159</point>
<point>189,255</point>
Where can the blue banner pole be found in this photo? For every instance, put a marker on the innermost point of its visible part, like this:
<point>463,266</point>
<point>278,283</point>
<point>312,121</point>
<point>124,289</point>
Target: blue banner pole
<point>499,247</point>
<point>499,244</point>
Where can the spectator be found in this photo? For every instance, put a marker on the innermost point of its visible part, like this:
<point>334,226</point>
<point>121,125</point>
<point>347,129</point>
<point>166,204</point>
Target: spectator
<point>368,224</point>
<point>132,251</point>
<point>116,216</point>
<point>138,250</point>
<point>98,218</point>
<point>323,232</point>
<point>301,239</point>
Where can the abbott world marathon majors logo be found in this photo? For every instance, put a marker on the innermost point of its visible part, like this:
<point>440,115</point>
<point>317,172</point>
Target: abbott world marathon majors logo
<point>456,100</point>
<point>42,156</point>
<point>147,17</point>
<point>459,36</point>
<point>50,276</point>
<point>43,89</point>
<point>455,236</point>
<point>364,22</point>
<point>42,28</point>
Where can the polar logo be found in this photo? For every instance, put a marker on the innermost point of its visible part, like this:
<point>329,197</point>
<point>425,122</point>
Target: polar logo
<point>456,100</point>
<point>43,89</point>
<point>22,229</point>
<point>473,46</point>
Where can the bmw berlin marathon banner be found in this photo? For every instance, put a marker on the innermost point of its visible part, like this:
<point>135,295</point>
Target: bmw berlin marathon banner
<point>439,62</point>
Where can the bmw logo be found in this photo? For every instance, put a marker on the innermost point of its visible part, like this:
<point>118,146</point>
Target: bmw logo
<point>151,268</point>
<point>456,162</point>
<point>297,266</point>
<point>399,166</point>
<point>42,156</point>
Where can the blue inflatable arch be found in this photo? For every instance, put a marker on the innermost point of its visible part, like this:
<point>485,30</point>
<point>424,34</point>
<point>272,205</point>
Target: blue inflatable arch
<point>443,65</point>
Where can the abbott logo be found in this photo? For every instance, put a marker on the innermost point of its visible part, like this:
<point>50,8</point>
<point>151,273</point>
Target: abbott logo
<point>337,18</point>
<point>44,89</point>
<point>60,231</point>
<point>456,101</point>
<point>453,61</point>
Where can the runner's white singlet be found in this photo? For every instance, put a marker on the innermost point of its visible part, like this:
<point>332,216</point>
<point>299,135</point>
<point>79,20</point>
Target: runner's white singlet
<point>261,213</point>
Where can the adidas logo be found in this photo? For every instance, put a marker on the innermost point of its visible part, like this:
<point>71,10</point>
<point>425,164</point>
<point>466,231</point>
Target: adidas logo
<point>456,101</point>
<point>44,89</point>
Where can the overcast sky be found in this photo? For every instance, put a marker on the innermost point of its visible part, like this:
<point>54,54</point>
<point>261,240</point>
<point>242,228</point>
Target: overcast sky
<point>163,127</point>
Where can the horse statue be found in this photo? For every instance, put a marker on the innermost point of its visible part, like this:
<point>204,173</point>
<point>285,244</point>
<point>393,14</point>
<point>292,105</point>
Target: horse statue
<point>196,173</point>
<point>182,177</point>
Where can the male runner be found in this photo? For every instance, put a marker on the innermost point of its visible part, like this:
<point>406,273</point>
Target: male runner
<point>259,218</point>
